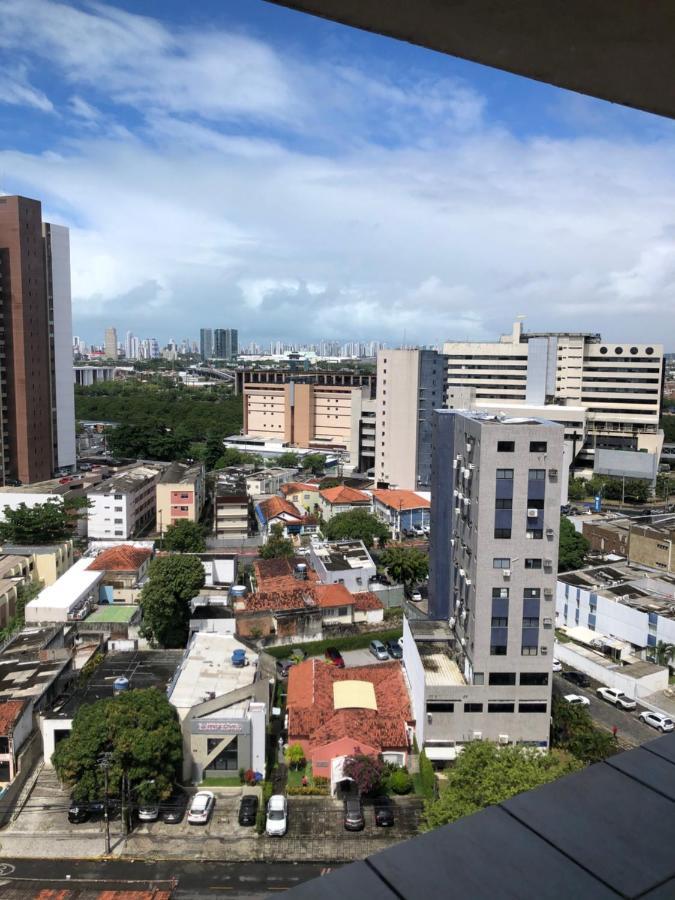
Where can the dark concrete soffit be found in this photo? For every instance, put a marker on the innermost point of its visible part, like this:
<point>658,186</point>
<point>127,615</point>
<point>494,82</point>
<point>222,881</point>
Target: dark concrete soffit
<point>617,50</point>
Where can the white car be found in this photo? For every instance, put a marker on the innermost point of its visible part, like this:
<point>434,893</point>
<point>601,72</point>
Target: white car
<point>557,665</point>
<point>658,721</point>
<point>577,700</point>
<point>617,698</point>
<point>277,816</point>
<point>201,808</point>
<point>416,596</point>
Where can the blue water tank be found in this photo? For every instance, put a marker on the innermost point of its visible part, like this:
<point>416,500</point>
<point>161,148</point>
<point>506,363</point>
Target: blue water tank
<point>120,685</point>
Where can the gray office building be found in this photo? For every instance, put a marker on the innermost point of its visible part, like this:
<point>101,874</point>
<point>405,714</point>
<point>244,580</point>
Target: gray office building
<point>225,343</point>
<point>206,343</point>
<point>481,666</point>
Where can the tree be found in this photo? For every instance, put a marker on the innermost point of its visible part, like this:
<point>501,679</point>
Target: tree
<point>572,729</point>
<point>365,771</point>
<point>295,756</point>
<point>664,653</point>
<point>148,442</point>
<point>577,489</point>
<point>44,523</point>
<point>664,486</point>
<point>140,731</point>
<point>330,482</point>
<point>357,524</point>
<point>485,774</point>
<point>668,425</point>
<point>572,547</point>
<point>213,450</point>
<point>400,782</point>
<point>184,537</point>
<point>277,545</point>
<point>314,463</point>
<point>288,460</point>
<point>165,599</point>
<point>407,565</point>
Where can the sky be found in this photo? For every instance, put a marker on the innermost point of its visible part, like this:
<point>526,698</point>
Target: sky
<point>238,165</point>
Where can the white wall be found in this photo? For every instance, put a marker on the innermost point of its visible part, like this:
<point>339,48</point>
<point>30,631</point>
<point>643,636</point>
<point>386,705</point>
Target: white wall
<point>63,346</point>
<point>49,726</point>
<point>102,508</point>
<point>258,736</point>
<point>414,671</point>
<point>618,677</point>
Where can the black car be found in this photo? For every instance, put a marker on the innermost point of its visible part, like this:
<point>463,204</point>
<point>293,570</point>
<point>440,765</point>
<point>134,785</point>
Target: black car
<point>248,809</point>
<point>577,678</point>
<point>384,812</point>
<point>394,649</point>
<point>78,812</point>
<point>284,666</point>
<point>354,820</point>
<point>173,809</point>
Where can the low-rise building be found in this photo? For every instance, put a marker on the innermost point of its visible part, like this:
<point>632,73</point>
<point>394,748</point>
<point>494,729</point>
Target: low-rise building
<point>125,569</point>
<point>125,505</point>
<point>402,510</point>
<point>231,509</point>
<point>16,725</point>
<point>277,511</point>
<point>180,495</point>
<point>342,499</point>
<point>222,706</point>
<point>335,713</point>
<point>47,562</point>
<point>304,495</point>
<point>652,545</point>
<point>343,562</point>
<point>69,599</point>
<point>268,481</point>
<point>607,536</point>
<point>14,571</point>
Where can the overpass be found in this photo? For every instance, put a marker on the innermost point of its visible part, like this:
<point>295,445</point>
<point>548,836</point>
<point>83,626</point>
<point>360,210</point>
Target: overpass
<point>208,372</point>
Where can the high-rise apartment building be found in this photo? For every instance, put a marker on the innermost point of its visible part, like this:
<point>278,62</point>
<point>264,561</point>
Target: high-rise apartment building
<point>410,385</point>
<point>37,411</point>
<point>225,343</point>
<point>481,667</point>
<point>206,343</point>
<point>111,343</point>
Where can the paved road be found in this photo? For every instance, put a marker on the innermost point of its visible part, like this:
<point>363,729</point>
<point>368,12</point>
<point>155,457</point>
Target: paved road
<point>631,732</point>
<point>243,881</point>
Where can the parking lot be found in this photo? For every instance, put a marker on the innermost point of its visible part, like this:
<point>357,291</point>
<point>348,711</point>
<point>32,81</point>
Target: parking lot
<point>363,657</point>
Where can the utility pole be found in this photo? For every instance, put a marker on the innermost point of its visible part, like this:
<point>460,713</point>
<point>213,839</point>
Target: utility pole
<point>105,762</point>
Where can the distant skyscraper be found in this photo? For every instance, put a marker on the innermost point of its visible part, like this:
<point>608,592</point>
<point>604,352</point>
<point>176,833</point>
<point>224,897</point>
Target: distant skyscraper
<point>225,343</point>
<point>206,343</point>
<point>111,343</point>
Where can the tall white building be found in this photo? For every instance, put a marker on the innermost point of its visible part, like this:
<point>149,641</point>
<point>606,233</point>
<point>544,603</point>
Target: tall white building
<point>124,506</point>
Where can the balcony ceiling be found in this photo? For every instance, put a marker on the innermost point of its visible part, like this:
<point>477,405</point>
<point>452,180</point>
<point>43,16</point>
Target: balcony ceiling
<point>617,50</point>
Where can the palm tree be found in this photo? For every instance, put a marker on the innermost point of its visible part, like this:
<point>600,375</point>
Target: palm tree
<point>664,653</point>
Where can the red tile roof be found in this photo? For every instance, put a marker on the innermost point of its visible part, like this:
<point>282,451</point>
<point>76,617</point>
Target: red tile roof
<point>294,487</point>
<point>124,558</point>
<point>330,595</point>
<point>344,494</point>
<point>313,718</point>
<point>10,710</point>
<point>395,499</point>
<point>297,598</point>
<point>277,574</point>
<point>367,601</point>
<point>277,506</point>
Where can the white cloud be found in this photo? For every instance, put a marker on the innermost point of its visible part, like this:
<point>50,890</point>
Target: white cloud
<point>17,91</point>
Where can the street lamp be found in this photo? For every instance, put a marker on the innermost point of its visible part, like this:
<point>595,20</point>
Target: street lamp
<point>105,762</point>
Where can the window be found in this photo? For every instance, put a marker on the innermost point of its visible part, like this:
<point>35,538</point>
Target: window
<point>530,622</point>
<point>532,593</point>
<point>529,651</point>
<point>501,562</point>
<point>440,706</point>
<point>502,533</point>
<point>536,475</point>
<point>535,534</point>
<point>504,503</point>
<point>499,622</point>
<point>498,650</point>
<point>228,757</point>
<point>119,521</point>
<point>505,474</point>
<point>473,707</point>
<point>505,446</point>
<point>119,497</point>
<point>532,707</point>
<point>501,707</point>
<point>478,678</point>
<point>532,679</point>
<point>497,678</point>
<point>538,446</point>
<point>500,592</point>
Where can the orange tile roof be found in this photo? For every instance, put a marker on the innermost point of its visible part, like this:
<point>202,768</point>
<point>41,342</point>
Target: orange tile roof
<point>344,494</point>
<point>275,506</point>
<point>300,598</point>
<point>396,499</point>
<point>330,595</point>
<point>367,601</point>
<point>10,710</point>
<point>277,574</point>
<point>313,718</point>
<point>293,487</point>
<point>124,558</point>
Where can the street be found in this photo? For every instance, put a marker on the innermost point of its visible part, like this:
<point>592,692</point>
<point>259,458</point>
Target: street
<point>631,732</point>
<point>26,878</point>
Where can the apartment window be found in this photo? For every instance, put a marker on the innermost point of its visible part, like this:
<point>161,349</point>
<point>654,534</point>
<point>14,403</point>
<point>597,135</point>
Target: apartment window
<point>478,678</point>
<point>529,651</point>
<point>119,497</point>
<point>117,509</point>
<point>500,593</point>
<point>536,475</point>
<point>505,446</point>
<point>501,562</point>
<point>504,503</point>
<point>498,650</point>
<point>533,679</point>
<point>501,707</point>
<point>440,706</point>
<point>532,593</point>
<point>532,707</point>
<point>501,678</point>
<point>118,533</point>
<point>502,533</point>
<point>538,446</point>
<point>505,474</point>
<point>535,534</point>
<point>499,622</point>
<point>119,521</point>
<point>473,707</point>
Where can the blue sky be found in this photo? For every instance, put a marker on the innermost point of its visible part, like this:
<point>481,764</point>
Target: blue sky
<point>252,167</point>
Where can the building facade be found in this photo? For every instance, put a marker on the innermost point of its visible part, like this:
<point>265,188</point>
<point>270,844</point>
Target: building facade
<point>206,343</point>
<point>225,343</point>
<point>125,505</point>
<point>181,493</point>
<point>495,513</point>
<point>111,343</point>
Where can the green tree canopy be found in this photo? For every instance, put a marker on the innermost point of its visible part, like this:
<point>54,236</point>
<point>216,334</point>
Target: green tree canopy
<point>572,547</point>
<point>165,599</point>
<point>184,537</point>
<point>314,463</point>
<point>668,425</point>
<point>277,545</point>
<point>486,774</point>
<point>405,564</point>
<point>233,457</point>
<point>665,485</point>
<point>44,523</point>
<point>140,731</point>
<point>288,460</point>
<point>578,489</point>
<point>148,442</point>
<point>357,524</point>
<point>213,450</point>
<point>573,730</point>
<point>365,771</point>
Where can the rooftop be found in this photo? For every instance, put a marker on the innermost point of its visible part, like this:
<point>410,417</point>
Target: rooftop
<point>648,590</point>
<point>277,506</point>
<point>344,494</point>
<point>492,419</point>
<point>10,711</point>
<point>130,480</point>
<point>23,674</point>
<point>207,670</point>
<point>439,668</point>
<point>75,583</point>
<point>124,558</point>
<point>401,500</point>
<point>113,613</point>
<point>181,473</point>
<point>292,487</point>
<point>339,556</point>
<point>277,574</point>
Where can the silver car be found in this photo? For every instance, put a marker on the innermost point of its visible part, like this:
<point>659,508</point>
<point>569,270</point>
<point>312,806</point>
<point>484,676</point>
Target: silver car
<point>378,650</point>
<point>201,808</point>
<point>657,720</point>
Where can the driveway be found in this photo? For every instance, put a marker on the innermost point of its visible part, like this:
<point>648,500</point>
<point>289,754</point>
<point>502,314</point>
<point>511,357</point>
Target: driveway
<point>361,658</point>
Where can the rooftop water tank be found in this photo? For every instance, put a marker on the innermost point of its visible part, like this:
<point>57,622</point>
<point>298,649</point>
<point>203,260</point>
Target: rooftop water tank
<point>300,571</point>
<point>120,685</point>
<point>238,590</point>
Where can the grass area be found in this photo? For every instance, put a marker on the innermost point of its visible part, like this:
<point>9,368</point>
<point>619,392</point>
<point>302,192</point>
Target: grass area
<point>352,642</point>
<point>110,613</point>
<point>231,781</point>
<point>295,776</point>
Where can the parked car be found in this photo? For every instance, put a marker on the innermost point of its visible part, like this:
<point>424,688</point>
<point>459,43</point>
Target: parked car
<point>617,698</point>
<point>173,809</point>
<point>577,700</point>
<point>657,720</point>
<point>577,678</point>
<point>334,656</point>
<point>394,649</point>
<point>277,816</point>
<point>418,530</point>
<point>78,812</point>
<point>557,665</point>
<point>378,650</point>
<point>297,654</point>
<point>416,596</point>
<point>201,808</point>
<point>384,812</point>
<point>148,812</point>
<point>354,820</point>
<point>284,666</point>
<point>248,809</point>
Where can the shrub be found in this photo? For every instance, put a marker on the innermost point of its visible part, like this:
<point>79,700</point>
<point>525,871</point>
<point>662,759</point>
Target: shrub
<point>320,781</point>
<point>427,777</point>
<point>400,782</point>
<point>295,756</point>
<point>242,775</point>
<point>308,791</point>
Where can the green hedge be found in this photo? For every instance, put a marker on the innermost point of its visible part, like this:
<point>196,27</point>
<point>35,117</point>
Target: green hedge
<point>427,777</point>
<point>352,642</point>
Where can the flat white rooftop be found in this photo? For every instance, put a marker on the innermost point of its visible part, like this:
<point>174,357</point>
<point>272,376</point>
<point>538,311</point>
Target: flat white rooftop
<point>66,591</point>
<point>440,669</point>
<point>207,670</point>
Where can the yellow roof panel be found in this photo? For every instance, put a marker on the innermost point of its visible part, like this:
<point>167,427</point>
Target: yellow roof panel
<point>354,695</point>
